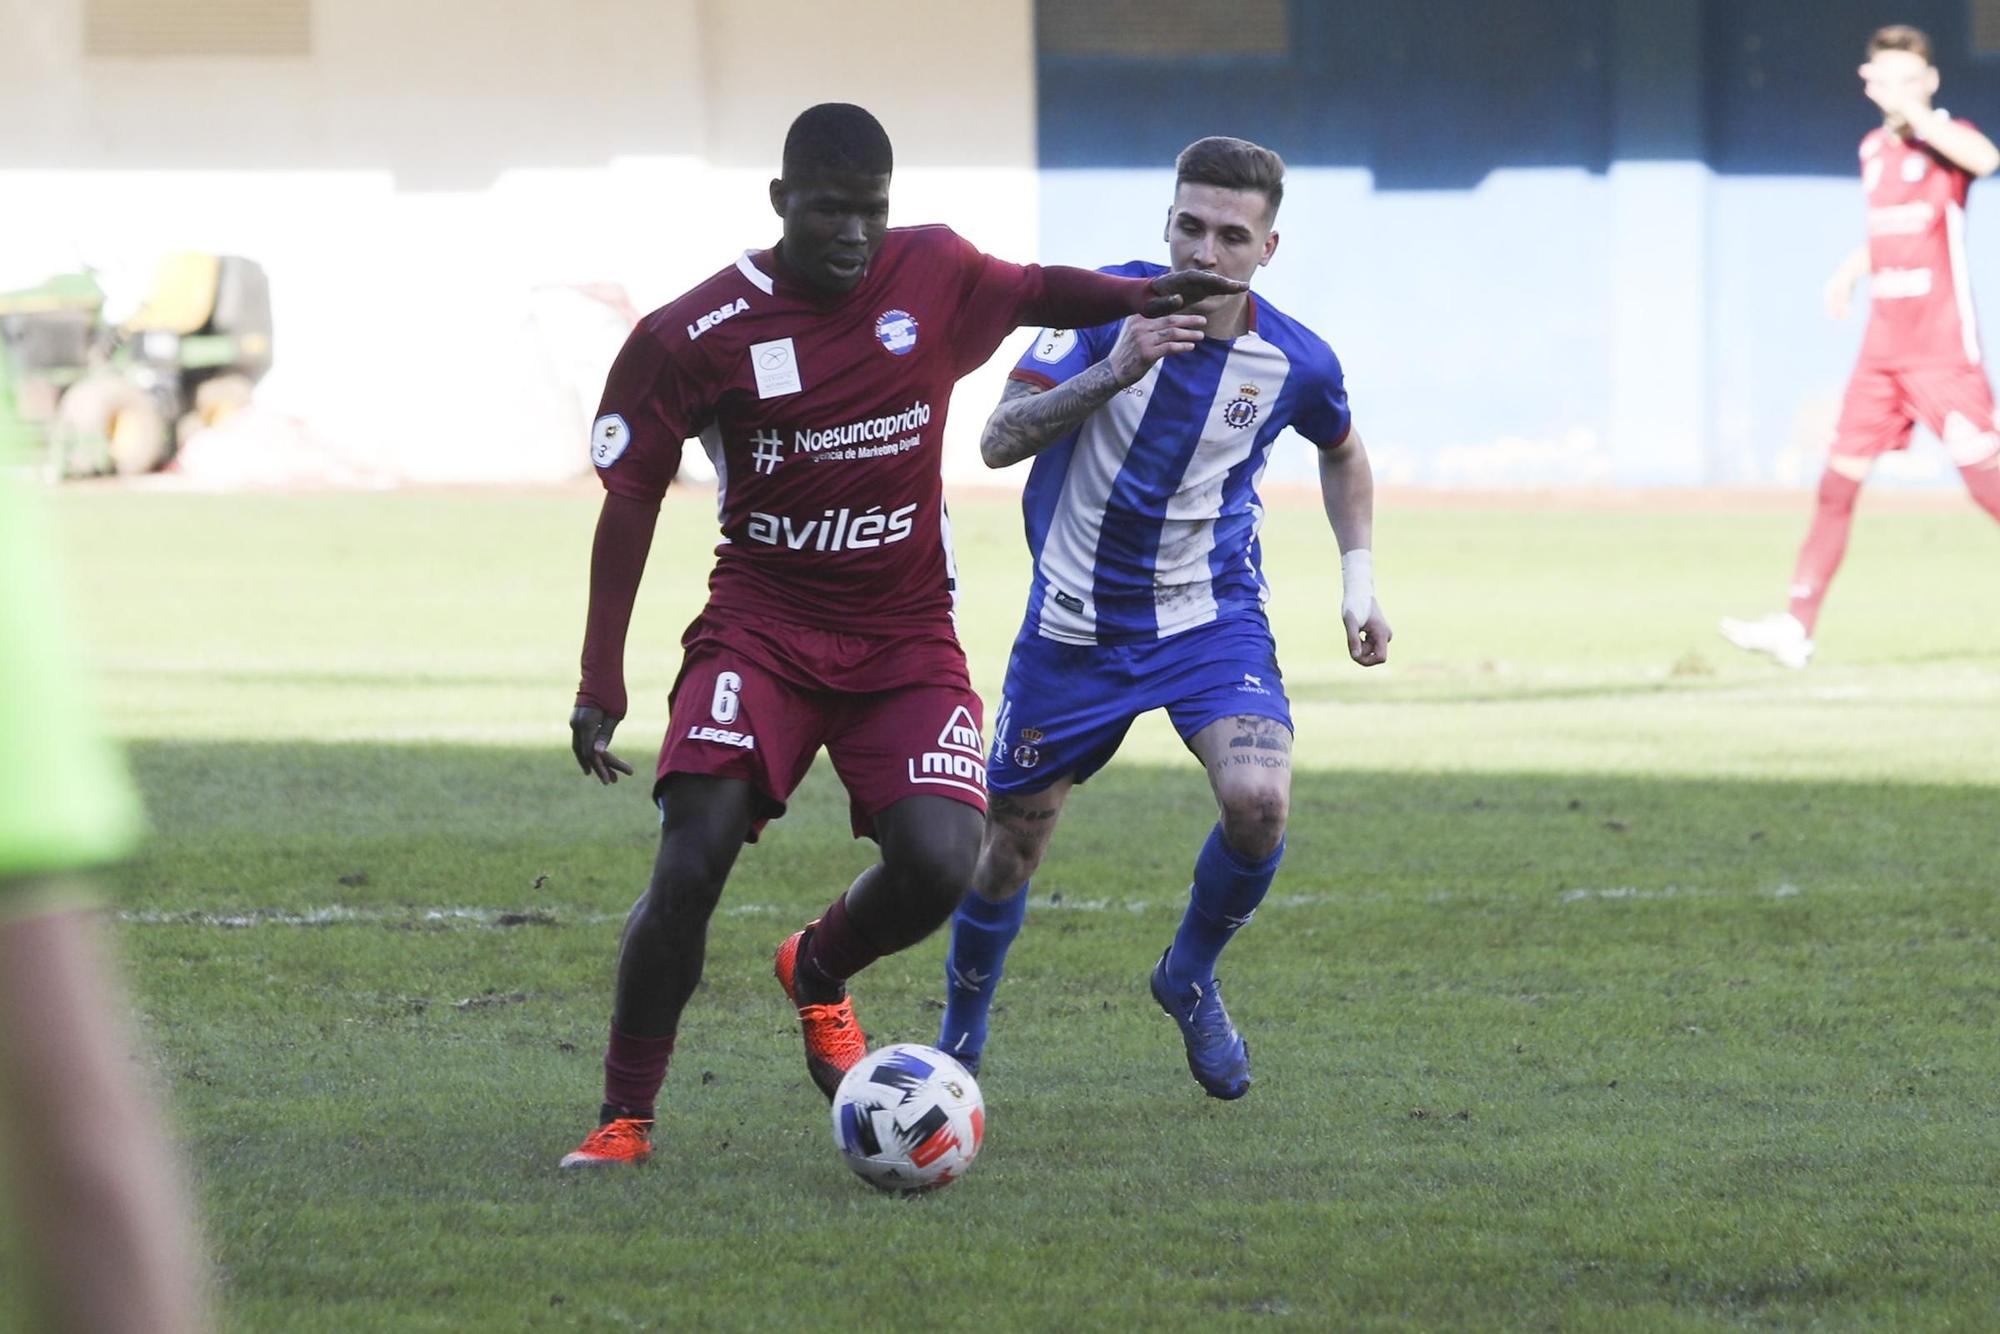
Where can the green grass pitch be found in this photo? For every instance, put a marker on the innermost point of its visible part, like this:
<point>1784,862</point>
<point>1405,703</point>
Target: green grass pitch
<point>1613,979</point>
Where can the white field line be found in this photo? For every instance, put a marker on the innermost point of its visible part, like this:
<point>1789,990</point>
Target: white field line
<point>532,917</point>
<point>1783,891</point>
<point>510,918</point>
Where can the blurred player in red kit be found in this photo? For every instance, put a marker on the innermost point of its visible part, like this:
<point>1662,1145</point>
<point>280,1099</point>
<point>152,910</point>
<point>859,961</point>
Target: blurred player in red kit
<point>816,374</point>
<point>1920,359</point>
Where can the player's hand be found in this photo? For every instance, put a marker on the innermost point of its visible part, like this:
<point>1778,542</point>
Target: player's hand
<point>1143,341</point>
<point>1876,90</point>
<point>589,740</point>
<point>1902,108</point>
<point>1184,287</point>
<point>1906,116</point>
<point>1367,638</point>
<point>1838,296</point>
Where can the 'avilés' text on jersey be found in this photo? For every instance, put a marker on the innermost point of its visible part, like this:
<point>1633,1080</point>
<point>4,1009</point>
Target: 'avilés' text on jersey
<point>1143,521</point>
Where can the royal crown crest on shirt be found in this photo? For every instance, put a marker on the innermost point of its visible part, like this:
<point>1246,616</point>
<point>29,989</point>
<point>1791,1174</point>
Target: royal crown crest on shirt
<point>1242,410</point>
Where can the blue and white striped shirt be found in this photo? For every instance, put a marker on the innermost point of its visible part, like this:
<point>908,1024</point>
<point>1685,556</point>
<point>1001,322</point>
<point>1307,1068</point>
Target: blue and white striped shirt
<point>1143,521</point>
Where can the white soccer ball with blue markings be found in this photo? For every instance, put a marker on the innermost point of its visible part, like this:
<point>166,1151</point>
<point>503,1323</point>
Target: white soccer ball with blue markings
<point>908,1118</point>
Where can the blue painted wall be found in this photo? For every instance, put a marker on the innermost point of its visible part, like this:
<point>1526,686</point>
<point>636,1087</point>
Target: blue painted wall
<point>1555,241</point>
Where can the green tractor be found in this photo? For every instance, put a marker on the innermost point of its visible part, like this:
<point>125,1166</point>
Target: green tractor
<point>87,397</point>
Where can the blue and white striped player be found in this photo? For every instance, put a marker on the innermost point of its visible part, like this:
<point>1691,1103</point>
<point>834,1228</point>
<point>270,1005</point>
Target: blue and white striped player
<point>1142,514</point>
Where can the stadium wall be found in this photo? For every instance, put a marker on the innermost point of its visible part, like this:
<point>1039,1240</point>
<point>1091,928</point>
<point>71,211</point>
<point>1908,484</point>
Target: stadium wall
<point>1585,246</point>
<point>429,185</point>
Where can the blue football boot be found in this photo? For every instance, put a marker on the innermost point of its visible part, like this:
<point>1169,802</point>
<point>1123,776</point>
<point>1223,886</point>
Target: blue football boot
<point>959,1050</point>
<point>1217,1056</point>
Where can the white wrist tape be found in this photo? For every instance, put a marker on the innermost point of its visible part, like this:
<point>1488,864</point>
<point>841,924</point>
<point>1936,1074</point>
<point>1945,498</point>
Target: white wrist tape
<point>1357,583</point>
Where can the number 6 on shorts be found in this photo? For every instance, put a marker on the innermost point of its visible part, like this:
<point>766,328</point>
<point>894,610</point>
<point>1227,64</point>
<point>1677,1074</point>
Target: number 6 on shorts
<point>723,706</point>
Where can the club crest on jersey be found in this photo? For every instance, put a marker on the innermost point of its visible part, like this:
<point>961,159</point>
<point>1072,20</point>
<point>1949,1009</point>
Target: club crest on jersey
<point>897,331</point>
<point>1027,757</point>
<point>1914,167</point>
<point>1241,411</point>
<point>609,435</point>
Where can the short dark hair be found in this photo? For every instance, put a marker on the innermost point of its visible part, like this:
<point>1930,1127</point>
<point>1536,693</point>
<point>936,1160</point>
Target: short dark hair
<point>837,137</point>
<point>1901,37</point>
<point>1233,164</point>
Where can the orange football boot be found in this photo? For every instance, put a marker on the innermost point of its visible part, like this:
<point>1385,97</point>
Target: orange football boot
<point>833,1035</point>
<point>626,1139</point>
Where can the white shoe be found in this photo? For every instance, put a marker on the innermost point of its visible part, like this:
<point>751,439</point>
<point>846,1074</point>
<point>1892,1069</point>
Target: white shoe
<point>1780,635</point>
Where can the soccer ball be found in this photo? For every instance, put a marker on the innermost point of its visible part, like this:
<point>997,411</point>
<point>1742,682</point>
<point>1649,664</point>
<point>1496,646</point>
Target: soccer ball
<point>908,1118</point>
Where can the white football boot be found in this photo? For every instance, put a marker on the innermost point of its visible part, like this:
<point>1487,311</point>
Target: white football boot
<point>1779,635</point>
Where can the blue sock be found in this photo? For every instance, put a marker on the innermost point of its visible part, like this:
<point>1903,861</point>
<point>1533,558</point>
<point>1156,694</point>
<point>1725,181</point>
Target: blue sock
<point>1227,890</point>
<point>981,931</point>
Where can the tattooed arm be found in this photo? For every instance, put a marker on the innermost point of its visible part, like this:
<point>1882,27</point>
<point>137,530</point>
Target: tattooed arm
<point>1029,419</point>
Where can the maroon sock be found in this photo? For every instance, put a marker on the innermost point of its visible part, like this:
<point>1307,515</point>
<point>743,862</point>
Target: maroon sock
<point>634,1069</point>
<point>1825,544</point>
<point>838,950</point>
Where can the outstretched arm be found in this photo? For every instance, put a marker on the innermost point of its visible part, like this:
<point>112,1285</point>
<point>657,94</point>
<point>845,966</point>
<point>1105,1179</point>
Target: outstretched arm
<point>1965,146</point>
<point>1080,298</point>
<point>617,560</point>
<point>1911,111</point>
<point>1029,419</point>
<point>1347,489</point>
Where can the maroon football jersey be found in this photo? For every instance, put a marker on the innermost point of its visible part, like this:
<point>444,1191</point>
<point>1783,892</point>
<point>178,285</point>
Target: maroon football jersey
<point>1920,290</point>
<point>824,416</point>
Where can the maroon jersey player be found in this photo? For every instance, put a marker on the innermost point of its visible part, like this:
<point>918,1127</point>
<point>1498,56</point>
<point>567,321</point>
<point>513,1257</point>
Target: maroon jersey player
<point>816,375</point>
<point>1920,359</point>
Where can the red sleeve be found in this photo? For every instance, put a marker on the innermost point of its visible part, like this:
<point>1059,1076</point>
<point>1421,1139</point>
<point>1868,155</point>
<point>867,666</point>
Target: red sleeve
<point>997,297</point>
<point>1084,298</point>
<point>652,403</point>
<point>1962,182</point>
<point>617,560</point>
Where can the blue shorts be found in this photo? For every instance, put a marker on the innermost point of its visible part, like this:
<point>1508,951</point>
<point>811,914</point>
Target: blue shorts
<point>1066,707</point>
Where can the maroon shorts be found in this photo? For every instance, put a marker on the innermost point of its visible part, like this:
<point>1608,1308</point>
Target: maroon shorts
<point>747,705</point>
<point>1882,407</point>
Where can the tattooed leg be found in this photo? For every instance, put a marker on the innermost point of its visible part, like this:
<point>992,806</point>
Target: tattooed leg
<point>988,919</point>
<point>1017,835</point>
<point>1249,762</point>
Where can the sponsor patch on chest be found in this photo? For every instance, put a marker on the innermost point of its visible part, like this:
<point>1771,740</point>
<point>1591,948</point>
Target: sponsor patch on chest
<point>776,366</point>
